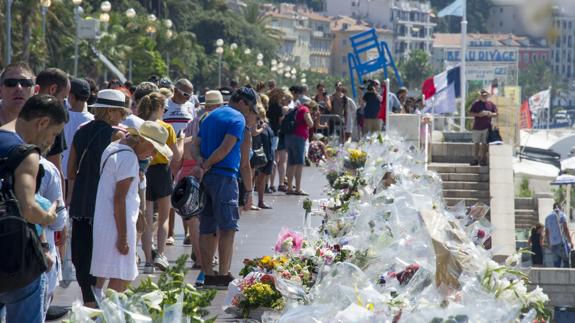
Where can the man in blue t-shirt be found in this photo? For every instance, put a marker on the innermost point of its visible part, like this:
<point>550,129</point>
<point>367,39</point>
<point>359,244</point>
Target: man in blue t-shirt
<point>557,236</point>
<point>221,155</point>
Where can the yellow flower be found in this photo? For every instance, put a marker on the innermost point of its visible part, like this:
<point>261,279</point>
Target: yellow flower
<point>266,259</point>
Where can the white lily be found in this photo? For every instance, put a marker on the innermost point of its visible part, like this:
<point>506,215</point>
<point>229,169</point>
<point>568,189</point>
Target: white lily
<point>153,299</point>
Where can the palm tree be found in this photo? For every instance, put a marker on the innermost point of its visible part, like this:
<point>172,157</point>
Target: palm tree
<point>255,17</point>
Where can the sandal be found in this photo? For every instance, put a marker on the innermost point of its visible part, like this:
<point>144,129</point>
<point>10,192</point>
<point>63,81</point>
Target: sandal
<point>263,206</point>
<point>282,188</point>
<point>300,193</point>
<point>255,208</point>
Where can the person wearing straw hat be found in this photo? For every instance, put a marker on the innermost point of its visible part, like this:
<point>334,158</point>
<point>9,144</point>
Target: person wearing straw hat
<point>90,141</point>
<point>117,205</point>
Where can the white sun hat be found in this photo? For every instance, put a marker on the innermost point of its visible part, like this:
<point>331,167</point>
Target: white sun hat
<point>111,99</point>
<point>154,133</point>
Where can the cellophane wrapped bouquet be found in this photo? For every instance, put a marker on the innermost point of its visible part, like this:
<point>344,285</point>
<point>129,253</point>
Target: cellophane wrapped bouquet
<point>390,250</point>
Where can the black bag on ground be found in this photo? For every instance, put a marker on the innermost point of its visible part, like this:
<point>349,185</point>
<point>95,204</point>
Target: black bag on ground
<point>288,124</point>
<point>494,137</point>
<point>20,248</point>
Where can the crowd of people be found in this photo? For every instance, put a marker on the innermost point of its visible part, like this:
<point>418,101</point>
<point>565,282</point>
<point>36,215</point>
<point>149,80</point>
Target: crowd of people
<point>93,172</point>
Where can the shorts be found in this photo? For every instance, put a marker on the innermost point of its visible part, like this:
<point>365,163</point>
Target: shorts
<point>480,136</point>
<point>295,146</point>
<point>275,142</point>
<point>372,125</point>
<point>159,182</point>
<point>281,143</point>
<point>267,169</point>
<point>221,210</point>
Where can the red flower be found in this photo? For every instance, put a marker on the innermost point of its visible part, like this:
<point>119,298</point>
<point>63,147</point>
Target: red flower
<point>480,234</point>
<point>267,279</point>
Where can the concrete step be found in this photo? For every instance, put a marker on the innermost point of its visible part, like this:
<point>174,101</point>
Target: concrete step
<point>466,194</point>
<point>451,201</point>
<point>449,152</point>
<point>524,203</point>
<point>525,213</point>
<point>464,177</point>
<point>443,168</point>
<point>466,186</point>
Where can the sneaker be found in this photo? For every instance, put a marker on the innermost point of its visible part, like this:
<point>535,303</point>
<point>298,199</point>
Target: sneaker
<point>200,279</point>
<point>273,189</point>
<point>170,241</point>
<point>149,269</point>
<point>161,262</point>
<point>474,163</point>
<point>56,312</point>
<point>218,281</point>
<point>187,241</point>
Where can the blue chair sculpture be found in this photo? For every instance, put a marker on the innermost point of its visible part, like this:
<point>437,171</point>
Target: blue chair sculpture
<point>361,44</point>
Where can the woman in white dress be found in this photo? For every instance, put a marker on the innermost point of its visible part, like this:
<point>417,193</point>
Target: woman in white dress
<point>117,205</point>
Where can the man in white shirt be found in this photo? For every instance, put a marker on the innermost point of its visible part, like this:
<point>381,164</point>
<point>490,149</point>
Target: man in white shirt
<point>179,109</point>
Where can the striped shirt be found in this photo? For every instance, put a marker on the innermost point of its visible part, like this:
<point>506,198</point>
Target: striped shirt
<point>179,115</point>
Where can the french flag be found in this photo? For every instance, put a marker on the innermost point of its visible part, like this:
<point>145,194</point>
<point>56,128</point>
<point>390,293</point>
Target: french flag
<point>441,91</point>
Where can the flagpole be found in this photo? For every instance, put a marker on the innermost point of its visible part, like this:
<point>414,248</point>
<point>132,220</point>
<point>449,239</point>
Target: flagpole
<point>549,111</point>
<point>463,76</point>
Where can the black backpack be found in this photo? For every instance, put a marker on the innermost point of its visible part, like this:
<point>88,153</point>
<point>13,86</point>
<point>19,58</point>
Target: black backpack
<point>288,124</point>
<point>23,260</point>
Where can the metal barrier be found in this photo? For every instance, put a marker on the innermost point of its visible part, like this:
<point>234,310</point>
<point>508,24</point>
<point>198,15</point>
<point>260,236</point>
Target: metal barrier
<point>336,125</point>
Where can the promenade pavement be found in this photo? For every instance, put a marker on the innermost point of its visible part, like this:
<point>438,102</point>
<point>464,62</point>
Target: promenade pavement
<point>257,237</point>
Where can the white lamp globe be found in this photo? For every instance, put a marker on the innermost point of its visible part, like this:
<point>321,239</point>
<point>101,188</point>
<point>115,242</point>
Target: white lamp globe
<point>274,62</point>
<point>234,46</point>
<point>131,13</point>
<point>76,2</point>
<point>260,56</point>
<point>106,6</point>
<point>152,18</point>
<point>168,23</point>
<point>220,42</point>
<point>260,63</point>
<point>104,17</point>
<point>219,50</point>
<point>45,3</point>
<point>247,51</point>
<point>169,33</point>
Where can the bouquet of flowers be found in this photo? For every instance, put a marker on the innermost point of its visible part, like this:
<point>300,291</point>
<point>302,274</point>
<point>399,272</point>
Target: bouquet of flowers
<point>355,159</point>
<point>255,292</point>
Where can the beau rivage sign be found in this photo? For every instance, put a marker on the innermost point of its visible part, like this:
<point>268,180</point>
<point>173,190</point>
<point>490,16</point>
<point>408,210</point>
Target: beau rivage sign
<point>484,51</point>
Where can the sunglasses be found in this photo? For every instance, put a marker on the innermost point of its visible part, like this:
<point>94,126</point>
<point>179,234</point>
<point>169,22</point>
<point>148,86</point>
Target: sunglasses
<point>15,82</point>
<point>185,94</point>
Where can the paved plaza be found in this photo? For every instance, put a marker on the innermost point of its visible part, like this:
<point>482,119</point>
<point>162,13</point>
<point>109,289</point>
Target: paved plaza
<point>257,237</point>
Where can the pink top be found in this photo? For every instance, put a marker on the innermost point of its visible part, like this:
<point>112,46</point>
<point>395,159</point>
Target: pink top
<point>301,128</point>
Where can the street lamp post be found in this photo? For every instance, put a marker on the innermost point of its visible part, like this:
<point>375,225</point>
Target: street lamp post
<point>8,47</point>
<point>45,4</point>
<point>130,14</point>
<point>106,6</point>
<point>220,52</point>
<point>169,34</point>
<point>77,20</point>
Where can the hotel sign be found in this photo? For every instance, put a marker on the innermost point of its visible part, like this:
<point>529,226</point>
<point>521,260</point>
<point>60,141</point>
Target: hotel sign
<point>483,55</point>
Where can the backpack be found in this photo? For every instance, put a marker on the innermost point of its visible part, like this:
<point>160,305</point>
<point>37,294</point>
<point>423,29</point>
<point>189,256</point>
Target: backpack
<point>23,260</point>
<point>287,127</point>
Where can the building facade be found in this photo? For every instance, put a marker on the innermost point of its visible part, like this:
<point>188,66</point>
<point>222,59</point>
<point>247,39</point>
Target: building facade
<point>563,49</point>
<point>410,21</point>
<point>321,39</point>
